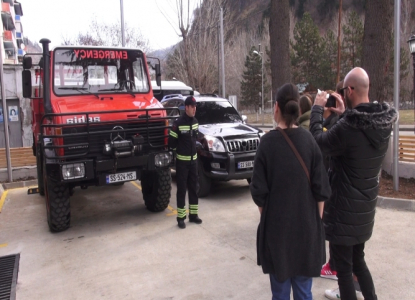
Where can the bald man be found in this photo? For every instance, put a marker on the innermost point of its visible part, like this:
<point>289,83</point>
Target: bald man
<point>357,144</point>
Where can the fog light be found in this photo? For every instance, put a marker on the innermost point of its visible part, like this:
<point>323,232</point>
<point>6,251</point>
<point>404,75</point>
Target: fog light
<point>72,171</point>
<point>215,165</point>
<point>162,159</point>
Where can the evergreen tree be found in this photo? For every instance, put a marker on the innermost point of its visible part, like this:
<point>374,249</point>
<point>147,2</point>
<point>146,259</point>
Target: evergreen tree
<point>306,52</point>
<point>327,65</point>
<point>251,85</point>
<point>351,55</point>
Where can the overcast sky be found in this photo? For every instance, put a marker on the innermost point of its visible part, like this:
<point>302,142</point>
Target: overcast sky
<point>55,19</point>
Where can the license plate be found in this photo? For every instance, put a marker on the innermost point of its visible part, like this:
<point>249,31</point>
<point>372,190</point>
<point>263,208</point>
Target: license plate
<point>119,177</point>
<point>245,164</point>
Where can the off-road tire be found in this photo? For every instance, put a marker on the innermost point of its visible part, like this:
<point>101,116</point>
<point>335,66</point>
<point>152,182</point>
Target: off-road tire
<point>156,188</point>
<point>204,181</point>
<point>39,166</point>
<point>58,207</point>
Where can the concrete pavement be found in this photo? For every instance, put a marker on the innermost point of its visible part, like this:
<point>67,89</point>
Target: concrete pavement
<point>116,249</point>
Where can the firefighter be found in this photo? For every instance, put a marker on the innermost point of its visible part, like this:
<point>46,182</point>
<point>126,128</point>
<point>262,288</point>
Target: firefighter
<point>182,138</point>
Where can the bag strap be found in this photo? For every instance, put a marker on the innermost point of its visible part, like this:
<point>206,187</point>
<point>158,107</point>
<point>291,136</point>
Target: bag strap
<point>295,152</point>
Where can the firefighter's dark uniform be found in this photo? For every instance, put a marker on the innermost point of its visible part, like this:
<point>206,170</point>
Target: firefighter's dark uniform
<point>182,138</point>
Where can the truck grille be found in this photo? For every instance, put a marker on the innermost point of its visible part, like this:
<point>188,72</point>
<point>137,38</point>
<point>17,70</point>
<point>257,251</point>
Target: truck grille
<point>153,133</point>
<point>242,145</point>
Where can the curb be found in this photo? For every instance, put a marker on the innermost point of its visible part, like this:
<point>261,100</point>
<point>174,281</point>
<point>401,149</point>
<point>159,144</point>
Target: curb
<point>396,203</point>
<point>383,202</point>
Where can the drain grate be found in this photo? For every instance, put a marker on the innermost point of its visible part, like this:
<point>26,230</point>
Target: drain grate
<point>9,267</point>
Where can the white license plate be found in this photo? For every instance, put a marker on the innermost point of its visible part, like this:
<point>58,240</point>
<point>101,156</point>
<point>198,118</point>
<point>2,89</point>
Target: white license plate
<point>245,164</point>
<point>119,177</point>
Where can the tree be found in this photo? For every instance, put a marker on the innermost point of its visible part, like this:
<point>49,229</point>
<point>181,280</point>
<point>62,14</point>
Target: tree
<point>376,46</point>
<point>327,64</point>
<point>251,84</point>
<point>352,43</point>
<point>279,34</point>
<point>306,52</point>
<point>101,34</point>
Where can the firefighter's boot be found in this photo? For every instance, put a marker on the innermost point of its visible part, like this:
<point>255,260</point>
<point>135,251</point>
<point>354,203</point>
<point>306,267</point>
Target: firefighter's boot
<point>193,217</point>
<point>181,216</point>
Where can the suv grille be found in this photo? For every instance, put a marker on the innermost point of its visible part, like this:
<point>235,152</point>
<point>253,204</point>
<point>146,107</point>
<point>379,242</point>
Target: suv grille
<point>243,145</point>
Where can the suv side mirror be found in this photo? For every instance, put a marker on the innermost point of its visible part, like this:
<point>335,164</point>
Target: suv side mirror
<point>199,146</point>
<point>244,118</point>
<point>27,83</point>
<point>158,75</point>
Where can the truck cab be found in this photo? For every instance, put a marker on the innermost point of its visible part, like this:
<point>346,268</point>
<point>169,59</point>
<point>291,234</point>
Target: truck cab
<point>96,122</point>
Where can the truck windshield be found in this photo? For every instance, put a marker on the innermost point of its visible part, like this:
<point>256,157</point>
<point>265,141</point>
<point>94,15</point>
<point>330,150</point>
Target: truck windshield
<point>212,112</point>
<point>84,71</point>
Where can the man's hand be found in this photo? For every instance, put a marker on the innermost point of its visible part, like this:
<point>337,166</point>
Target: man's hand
<point>339,109</point>
<point>321,99</point>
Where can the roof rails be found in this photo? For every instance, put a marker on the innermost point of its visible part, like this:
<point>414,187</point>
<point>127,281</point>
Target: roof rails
<point>208,95</point>
<point>172,96</point>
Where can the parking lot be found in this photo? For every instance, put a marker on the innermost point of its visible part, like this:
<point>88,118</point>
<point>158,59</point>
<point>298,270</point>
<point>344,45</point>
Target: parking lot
<point>116,249</point>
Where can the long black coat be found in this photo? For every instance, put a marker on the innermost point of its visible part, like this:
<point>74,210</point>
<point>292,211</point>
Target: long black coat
<point>356,144</point>
<point>290,239</point>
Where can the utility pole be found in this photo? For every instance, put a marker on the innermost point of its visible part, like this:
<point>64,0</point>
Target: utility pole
<point>5,115</point>
<point>339,41</point>
<point>396,72</point>
<point>122,23</point>
<point>223,53</point>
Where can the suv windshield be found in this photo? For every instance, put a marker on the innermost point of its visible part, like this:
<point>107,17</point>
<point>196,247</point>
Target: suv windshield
<point>86,70</point>
<point>211,112</point>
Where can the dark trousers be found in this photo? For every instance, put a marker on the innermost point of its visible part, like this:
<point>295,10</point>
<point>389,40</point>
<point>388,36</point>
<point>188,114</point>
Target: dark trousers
<point>349,260</point>
<point>187,178</point>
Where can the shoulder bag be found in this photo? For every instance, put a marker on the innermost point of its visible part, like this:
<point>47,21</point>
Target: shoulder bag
<point>295,152</point>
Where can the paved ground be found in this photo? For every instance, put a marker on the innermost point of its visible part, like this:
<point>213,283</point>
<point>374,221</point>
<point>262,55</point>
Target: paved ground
<point>116,249</point>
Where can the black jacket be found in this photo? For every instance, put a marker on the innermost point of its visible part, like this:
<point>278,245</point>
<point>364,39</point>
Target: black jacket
<point>357,144</point>
<point>290,237</point>
<point>182,138</point>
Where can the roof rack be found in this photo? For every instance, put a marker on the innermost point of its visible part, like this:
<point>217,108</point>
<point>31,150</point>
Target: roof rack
<point>208,95</point>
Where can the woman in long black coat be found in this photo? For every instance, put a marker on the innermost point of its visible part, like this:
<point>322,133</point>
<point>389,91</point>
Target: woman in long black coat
<point>290,241</point>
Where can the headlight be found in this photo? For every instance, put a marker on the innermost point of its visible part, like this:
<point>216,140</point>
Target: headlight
<point>72,171</point>
<point>162,159</point>
<point>214,144</point>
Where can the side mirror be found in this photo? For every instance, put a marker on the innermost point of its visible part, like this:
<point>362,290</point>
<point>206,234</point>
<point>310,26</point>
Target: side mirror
<point>199,146</point>
<point>244,118</point>
<point>191,93</point>
<point>158,75</point>
<point>27,62</point>
<point>27,83</point>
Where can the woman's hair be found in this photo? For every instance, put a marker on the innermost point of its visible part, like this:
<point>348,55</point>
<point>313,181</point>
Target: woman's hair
<point>305,103</point>
<point>287,101</point>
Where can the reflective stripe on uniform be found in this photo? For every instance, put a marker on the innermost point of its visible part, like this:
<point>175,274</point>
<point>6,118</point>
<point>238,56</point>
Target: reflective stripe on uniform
<point>184,127</point>
<point>173,134</point>
<point>195,126</point>
<point>181,213</point>
<point>185,157</point>
<point>193,209</point>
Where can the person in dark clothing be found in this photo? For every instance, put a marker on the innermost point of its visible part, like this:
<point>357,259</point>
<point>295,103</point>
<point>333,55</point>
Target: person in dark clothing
<point>290,239</point>
<point>305,103</point>
<point>182,138</point>
<point>357,144</point>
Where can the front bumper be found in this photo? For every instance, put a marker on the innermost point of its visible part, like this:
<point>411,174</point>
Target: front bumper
<point>228,163</point>
<point>96,170</point>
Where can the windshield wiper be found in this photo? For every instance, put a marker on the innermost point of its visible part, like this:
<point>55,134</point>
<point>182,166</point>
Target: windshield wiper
<point>79,89</point>
<point>109,90</point>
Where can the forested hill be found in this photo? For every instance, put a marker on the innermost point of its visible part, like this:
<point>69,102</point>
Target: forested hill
<point>323,12</point>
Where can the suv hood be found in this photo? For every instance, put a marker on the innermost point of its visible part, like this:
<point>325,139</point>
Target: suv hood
<point>228,129</point>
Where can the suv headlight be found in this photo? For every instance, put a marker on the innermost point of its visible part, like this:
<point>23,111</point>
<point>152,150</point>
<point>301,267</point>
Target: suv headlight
<point>214,144</point>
